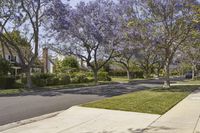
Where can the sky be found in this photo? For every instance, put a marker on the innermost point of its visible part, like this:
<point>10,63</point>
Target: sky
<point>74,2</point>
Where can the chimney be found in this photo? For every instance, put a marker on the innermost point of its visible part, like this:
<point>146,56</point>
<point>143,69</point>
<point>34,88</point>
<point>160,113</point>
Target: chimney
<point>45,59</point>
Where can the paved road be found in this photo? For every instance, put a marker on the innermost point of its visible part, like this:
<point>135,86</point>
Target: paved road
<point>15,108</point>
<point>22,107</point>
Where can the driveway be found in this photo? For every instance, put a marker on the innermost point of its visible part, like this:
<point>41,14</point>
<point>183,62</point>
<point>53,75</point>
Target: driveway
<point>15,108</point>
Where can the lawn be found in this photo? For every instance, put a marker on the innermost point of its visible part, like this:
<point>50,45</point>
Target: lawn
<point>124,79</point>
<point>120,79</point>
<point>10,91</point>
<point>190,82</point>
<point>154,101</point>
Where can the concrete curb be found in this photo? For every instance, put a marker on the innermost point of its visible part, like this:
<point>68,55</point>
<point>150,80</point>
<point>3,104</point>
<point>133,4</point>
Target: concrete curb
<point>28,121</point>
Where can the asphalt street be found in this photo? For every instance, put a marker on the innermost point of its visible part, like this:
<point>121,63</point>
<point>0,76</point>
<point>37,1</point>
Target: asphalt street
<point>16,108</point>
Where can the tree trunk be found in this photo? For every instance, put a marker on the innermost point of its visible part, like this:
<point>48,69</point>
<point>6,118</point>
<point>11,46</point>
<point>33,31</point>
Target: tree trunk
<point>28,78</point>
<point>193,71</point>
<point>95,76</point>
<point>167,75</point>
<point>158,72</point>
<point>3,51</point>
<point>128,74</point>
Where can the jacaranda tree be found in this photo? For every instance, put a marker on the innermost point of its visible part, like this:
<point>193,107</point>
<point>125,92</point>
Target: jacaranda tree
<point>89,31</point>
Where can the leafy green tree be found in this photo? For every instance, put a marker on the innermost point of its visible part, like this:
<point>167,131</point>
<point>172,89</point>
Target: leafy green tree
<point>191,50</point>
<point>58,66</point>
<point>70,63</point>
<point>90,34</point>
<point>172,21</point>
<point>5,67</point>
<point>26,16</point>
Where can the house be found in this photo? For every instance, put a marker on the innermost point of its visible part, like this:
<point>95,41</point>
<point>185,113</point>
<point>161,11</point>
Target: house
<point>46,64</point>
<point>10,55</point>
<point>49,60</point>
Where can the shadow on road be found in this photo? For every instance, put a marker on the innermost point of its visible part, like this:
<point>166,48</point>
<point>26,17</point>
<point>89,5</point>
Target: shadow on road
<point>103,90</point>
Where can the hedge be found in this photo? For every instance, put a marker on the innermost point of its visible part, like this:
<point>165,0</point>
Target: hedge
<point>103,76</point>
<point>7,82</point>
<point>136,74</point>
<point>79,78</point>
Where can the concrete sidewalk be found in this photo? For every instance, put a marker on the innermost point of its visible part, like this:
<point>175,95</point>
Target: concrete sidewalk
<point>89,120</point>
<point>183,118</point>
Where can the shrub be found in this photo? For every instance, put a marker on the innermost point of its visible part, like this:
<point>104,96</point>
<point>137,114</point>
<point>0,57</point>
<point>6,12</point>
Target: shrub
<point>50,79</point>
<point>103,76</point>
<point>89,74</point>
<point>5,67</point>
<point>64,79</point>
<point>69,64</point>
<point>118,73</point>
<point>135,74</point>
<point>41,79</point>
<point>197,77</point>
<point>7,82</point>
<point>138,74</point>
<point>174,73</point>
<point>53,81</point>
<point>79,78</point>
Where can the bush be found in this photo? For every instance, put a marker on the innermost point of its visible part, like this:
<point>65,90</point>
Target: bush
<point>42,80</point>
<point>64,79</point>
<point>138,74</point>
<point>69,64</point>
<point>174,73</point>
<point>79,78</point>
<point>7,82</point>
<point>53,81</point>
<point>197,77</point>
<point>135,74</point>
<point>103,76</point>
<point>5,67</point>
<point>89,74</point>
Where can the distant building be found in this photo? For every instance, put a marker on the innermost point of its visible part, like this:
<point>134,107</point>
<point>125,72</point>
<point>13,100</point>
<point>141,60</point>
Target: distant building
<point>12,56</point>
